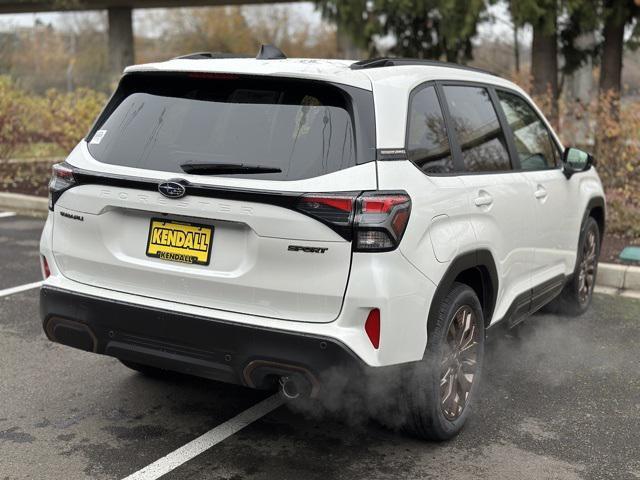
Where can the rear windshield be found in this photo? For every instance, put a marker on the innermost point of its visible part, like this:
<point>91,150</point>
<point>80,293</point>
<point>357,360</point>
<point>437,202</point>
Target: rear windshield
<point>301,128</point>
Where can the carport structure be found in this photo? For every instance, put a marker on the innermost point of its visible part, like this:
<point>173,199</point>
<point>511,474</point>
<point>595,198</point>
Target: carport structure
<point>120,32</point>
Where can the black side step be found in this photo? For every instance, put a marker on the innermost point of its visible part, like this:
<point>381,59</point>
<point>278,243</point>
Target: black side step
<point>530,301</point>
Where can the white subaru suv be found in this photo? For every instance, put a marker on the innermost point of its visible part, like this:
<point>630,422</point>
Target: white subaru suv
<point>268,221</point>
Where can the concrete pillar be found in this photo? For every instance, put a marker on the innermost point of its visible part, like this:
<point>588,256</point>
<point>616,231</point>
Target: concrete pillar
<point>120,39</point>
<point>581,81</point>
<point>581,91</point>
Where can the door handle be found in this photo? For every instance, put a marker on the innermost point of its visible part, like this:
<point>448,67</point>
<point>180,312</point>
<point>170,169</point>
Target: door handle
<point>483,200</point>
<point>540,192</point>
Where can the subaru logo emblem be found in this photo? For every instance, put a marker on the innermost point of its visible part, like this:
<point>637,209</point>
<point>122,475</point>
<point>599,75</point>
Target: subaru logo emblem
<point>172,189</point>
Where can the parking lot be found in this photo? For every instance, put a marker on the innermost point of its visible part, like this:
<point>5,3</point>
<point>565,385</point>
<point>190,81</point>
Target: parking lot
<point>560,399</point>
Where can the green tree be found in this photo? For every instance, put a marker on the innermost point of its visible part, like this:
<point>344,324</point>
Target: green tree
<point>436,29</point>
<point>618,15</point>
<point>542,15</point>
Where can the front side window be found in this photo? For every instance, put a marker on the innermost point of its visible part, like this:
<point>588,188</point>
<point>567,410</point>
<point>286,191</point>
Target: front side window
<point>475,122</point>
<point>219,124</point>
<point>532,139</point>
<point>427,142</point>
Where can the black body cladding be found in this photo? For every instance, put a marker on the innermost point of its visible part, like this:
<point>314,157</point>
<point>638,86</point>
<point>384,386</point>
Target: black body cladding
<point>189,344</point>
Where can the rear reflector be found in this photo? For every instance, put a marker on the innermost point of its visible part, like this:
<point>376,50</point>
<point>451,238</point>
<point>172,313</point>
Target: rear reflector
<point>372,327</point>
<point>46,271</point>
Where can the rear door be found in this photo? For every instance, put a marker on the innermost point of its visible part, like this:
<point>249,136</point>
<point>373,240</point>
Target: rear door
<point>499,197</point>
<point>242,236</point>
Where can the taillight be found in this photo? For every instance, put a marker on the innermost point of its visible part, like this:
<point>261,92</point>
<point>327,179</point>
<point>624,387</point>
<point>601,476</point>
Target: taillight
<point>380,221</point>
<point>335,210</point>
<point>332,208</point>
<point>61,179</point>
<point>375,221</point>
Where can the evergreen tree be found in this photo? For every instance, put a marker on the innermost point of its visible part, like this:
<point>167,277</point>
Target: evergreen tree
<point>435,29</point>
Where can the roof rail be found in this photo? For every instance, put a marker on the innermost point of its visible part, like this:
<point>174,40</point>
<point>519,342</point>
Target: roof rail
<point>208,55</point>
<point>396,62</point>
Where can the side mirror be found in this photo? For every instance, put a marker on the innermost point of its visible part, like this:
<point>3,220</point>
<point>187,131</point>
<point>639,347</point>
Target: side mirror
<point>575,161</point>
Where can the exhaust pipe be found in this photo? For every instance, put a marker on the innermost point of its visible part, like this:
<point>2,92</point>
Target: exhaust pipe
<point>293,381</point>
<point>289,388</point>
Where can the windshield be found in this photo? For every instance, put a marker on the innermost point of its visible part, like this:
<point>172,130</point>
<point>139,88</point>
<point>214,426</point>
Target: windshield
<point>293,129</point>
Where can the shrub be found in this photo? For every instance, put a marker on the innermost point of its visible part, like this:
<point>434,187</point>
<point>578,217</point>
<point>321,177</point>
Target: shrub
<point>66,117</point>
<point>56,118</point>
<point>617,143</point>
<point>611,131</point>
<point>623,213</point>
<point>13,115</point>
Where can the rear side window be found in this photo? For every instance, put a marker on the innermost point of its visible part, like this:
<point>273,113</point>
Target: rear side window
<point>290,129</point>
<point>535,148</point>
<point>427,141</point>
<point>477,128</point>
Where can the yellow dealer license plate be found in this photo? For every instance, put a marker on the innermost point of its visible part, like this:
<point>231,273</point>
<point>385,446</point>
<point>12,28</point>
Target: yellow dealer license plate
<point>180,242</point>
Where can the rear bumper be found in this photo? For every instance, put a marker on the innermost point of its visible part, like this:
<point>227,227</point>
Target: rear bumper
<point>205,347</point>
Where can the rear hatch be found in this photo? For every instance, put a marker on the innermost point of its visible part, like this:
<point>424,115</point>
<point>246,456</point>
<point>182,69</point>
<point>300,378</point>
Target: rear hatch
<point>221,191</point>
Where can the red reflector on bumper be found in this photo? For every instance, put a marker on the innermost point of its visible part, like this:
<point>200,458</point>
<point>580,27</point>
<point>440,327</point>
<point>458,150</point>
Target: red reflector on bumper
<point>372,327</point>
<point>46,271</point>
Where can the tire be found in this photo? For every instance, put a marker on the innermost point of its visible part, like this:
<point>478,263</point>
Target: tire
<point>576,295</point>
<point>148,370</point>
<point>426,412</point>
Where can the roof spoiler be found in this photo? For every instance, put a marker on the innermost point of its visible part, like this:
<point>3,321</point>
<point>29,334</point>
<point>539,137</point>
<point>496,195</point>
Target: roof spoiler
<point>208,55</point>
<point>266,52</point>
<point>396,62</point>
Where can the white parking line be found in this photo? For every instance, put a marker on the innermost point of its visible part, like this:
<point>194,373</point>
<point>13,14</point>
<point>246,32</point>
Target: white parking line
<point>21,288</point>
<point>7,214</point>
<point>207,440</point>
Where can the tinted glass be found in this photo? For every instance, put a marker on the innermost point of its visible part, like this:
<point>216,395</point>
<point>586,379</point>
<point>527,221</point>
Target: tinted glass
<point>477,128</point>
<point>304,129</point>
<point>427,144</point>
<point>533,141</point>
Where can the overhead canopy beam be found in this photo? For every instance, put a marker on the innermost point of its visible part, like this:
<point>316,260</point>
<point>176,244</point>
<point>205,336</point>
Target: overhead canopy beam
<point>31,6</point>
<point>120,38</point>
<point>120,28</point>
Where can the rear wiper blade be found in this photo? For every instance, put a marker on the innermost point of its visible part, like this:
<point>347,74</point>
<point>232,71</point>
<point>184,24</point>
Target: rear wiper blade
<point>228,168</point>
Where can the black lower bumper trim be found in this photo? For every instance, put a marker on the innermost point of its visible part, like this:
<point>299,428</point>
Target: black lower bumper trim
<point>200,346</point>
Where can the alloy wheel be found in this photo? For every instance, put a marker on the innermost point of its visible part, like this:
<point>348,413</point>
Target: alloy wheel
<point>587,268</point>
<point>459,362</point>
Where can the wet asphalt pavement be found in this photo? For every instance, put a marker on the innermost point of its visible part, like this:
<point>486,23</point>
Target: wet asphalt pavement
<point>560,399</point>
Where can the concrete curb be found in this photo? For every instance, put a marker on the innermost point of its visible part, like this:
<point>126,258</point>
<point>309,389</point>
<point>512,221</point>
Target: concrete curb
<point>27,204</point>
<point>610,275</point>
<point>620,277</point>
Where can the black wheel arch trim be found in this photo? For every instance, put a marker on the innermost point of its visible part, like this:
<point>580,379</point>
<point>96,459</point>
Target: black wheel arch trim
<point>480,259</point>
<point>595,202</point>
